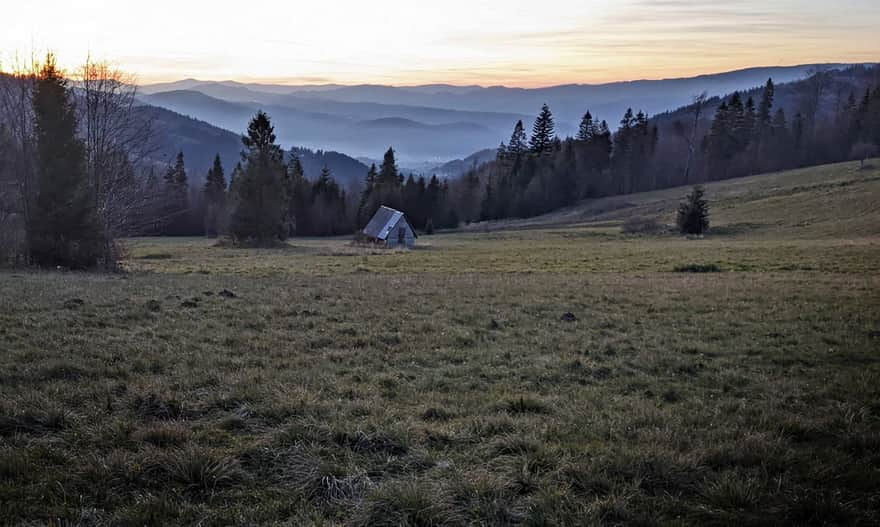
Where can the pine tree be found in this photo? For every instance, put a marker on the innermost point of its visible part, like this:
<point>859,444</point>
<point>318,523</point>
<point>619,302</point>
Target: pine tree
<point>587,129</point>
<point>389,176</point>
<point>543,132</point>
<point>176,198</point>
<point>364,214</point>
<point>299,196</point>
<point>693,213</point>
<point>518,143</point>
<point>623,152</point>
<point>176,185</point>
<point>766,105</point>
<point>719,147</point>
<point>63,228</point>
<point>261,210</point>
<point>215,197</point>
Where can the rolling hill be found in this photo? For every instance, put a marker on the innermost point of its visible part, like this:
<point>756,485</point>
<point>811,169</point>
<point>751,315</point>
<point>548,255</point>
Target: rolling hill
<point>343,117</point>
<point>200,141</point>
<point>828,201</point>
<point>364,130</point>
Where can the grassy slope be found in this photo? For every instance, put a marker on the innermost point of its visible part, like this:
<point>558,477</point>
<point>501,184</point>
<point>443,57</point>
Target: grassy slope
<point>829,201</point>
<point>440,386</point>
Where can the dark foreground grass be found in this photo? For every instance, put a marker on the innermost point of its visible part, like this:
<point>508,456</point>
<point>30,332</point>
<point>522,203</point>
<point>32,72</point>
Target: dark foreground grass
<point>329,385</point>
<point>437,399</point>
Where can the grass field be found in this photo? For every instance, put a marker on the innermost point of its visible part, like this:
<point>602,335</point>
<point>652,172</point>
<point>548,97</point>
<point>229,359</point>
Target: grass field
<point>324,384</point>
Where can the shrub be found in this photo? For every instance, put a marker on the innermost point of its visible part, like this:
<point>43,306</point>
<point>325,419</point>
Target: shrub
<point>693,213</point>
<point>641,225</point>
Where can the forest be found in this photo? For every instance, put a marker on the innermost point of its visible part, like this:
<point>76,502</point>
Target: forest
<point>85,145</point>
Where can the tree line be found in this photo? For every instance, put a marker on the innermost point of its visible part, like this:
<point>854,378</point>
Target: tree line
<point>268,197</point>
<point>76,171</point>
<point>709,140</point>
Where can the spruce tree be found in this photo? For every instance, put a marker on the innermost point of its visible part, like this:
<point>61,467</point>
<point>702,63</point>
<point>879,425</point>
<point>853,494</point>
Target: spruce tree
<point>261,207</point>
<point>693,213</point>
<point>389,177</point>
<point>176,197</point>
<point>299,197</point>
<point>587,129</point>
<point>766,105</point>
<point>215,197</point>
<point>63,229</point>
<point>364,214</point>
<point>518,144</point>
<point>543,132</point>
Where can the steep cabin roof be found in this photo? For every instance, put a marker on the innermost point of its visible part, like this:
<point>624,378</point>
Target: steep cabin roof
<point>383,221</point>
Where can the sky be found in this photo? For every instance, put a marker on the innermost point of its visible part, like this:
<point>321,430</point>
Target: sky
<point>407,42</point>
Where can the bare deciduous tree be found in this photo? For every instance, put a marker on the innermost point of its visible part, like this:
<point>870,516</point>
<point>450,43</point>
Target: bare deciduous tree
<point>690,136</point>
<point>18,171</point>
<point>119,141</point>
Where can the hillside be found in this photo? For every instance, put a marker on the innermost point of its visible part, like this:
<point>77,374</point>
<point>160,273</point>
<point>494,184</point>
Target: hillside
<point>341,117</point>
<point>838,200</point>
<point>200,141</point>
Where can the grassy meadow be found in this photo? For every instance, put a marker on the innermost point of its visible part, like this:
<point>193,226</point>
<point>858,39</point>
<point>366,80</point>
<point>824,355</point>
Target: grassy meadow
<point>551,371</point>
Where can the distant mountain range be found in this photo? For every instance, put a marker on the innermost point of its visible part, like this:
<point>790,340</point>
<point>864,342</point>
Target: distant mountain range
<point>432,124</point>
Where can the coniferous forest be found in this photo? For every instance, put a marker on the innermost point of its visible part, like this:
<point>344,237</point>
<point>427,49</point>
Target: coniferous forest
<point>56,152</point>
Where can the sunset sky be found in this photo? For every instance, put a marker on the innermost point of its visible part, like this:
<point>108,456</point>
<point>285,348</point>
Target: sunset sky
<point>511,42</point>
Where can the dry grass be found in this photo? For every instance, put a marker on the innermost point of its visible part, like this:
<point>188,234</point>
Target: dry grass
<point>342,386</point>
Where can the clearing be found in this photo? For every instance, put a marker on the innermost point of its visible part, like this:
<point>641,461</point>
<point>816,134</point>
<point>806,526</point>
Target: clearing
<point>324,384</point>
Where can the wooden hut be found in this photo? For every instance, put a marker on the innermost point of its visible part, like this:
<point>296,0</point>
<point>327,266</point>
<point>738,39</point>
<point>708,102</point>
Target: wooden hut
<point>390,228</point>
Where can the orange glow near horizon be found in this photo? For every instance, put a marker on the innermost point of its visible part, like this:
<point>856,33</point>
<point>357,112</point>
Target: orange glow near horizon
<point>455,42</point>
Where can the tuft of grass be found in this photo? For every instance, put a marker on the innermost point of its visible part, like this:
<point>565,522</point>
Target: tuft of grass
<point>491,426</point>
<point>525,405</point>
<point>201,470</point>
<point>152,406</point>
<point>697,268</point>
<point>14,465</point>
<point>734,492</point>
<point>162,435</point>
<point>33,421</point>
<point>436,414</point>
<point>413,503</point>
<point>323,481</point>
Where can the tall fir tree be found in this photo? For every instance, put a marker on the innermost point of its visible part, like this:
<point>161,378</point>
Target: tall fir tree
<point>543,132</point>
<point>176,198</point>
<point>63,228</point>
<point>518,142</point>
<point>261,208</point>
<point>299,196</point>
<point>364,213</point>
<point>765,107</point>
<point>587,129</point>
<point>215,198</point>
